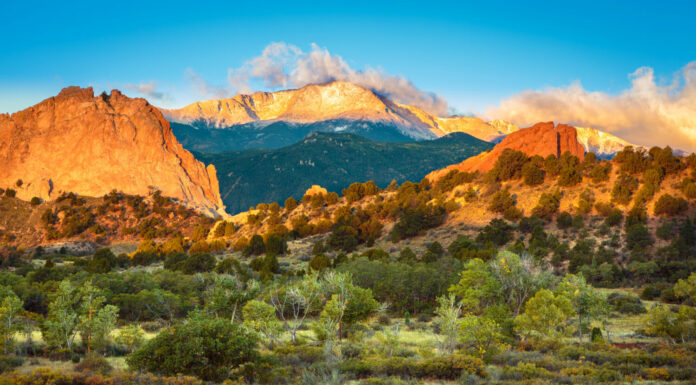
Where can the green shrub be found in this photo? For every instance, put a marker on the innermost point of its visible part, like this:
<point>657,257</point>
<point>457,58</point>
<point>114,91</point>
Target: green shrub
<point>304,353</point>
<point>9,362</point>
<point>102,261</point>
<point>95,364</point>
<point>206,348</point>
<point>451,367</point>
<point>413,221</point>
<point>290,204</point>
<point>670,206</point>
<point>564,220</point>
<point>509,165</point>
<point>548,205</point>
<point>319,262</point>
<point>533,175</point>
<point>498,232</point>
<point>256,246</point>
<point>626,303</point>
<point>623,189</point>
<point>570,170</point>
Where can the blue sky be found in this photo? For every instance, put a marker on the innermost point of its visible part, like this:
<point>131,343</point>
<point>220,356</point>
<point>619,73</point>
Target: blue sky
<point>473,54</point>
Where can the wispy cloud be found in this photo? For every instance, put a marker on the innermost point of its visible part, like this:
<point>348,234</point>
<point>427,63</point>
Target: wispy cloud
<point>150,90</point>
<point>205,89</point>
<point>647,113</point>
<point>282,65</point>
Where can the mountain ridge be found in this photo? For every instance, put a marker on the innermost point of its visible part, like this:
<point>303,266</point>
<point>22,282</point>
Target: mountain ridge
<point>256,176</point>
<point>335,104</point>
<point>323,102</point>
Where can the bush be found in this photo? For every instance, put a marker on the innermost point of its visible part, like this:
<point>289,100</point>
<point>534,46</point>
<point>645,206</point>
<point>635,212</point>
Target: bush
<point>632,161</point>
<point>358,191</point>
<point>548,205</point>
<point>192,264</point>
<point>35,201</point>
<point>413,221</point>
<point>319,262</point>
<point>498,232</point>
<point>10,193</point>
<point>564,220</point>
<point>670,206</point>
<point>638,237</point>
<point>304,353</point>
<point>509,165</point>
<point>102,261</point>
<point>290,204</point>
<point>626,304</point>
<point>276,244</point>
<point>94,363</point>
<point>570,170</point>
<point>623,189</point>
<point>451,367</point>
<point>256,246</point>
<point>206,348</point>
<point>8,363</point>
<point>650,292</point>
<point>533,175</point>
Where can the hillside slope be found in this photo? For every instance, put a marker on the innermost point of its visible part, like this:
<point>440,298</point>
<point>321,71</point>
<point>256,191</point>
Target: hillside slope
<point>333,161</point>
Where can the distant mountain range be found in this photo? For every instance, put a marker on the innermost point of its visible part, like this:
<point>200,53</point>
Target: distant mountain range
<point>276,119</point>
<point>277,134</point>
<point>333,161</point>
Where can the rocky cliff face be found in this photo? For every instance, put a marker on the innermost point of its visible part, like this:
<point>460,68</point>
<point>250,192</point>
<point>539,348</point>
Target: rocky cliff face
<point>540,139</point>
<point>76,142</point>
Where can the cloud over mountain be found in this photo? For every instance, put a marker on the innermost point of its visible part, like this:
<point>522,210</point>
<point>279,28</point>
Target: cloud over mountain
<point>149,90</point>
<point>648,113</point>
<point>283,65</point>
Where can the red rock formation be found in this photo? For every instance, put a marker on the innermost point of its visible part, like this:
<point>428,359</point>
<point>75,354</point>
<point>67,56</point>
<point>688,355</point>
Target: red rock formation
<point>540,139</point>
<point>91,145</point>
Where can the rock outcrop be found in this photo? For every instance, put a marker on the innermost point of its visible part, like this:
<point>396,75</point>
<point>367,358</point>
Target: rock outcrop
<point>540,139</point>
<point>76,142</point>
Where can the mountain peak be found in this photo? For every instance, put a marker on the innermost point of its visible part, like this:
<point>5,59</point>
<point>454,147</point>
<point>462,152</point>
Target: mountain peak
<point>334,100</point>
<point>76,92</point>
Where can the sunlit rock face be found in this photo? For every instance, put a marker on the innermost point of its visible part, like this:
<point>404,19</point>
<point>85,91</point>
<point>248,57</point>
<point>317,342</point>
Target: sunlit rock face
<point>540,139</point>
<point>602,144</point>
<point>312,103</point>
<point>331,101</point>
<point>76,142</point>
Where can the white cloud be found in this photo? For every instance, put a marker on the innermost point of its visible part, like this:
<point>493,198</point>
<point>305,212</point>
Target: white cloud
<point>647,113</point>
<point>282,65</point>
